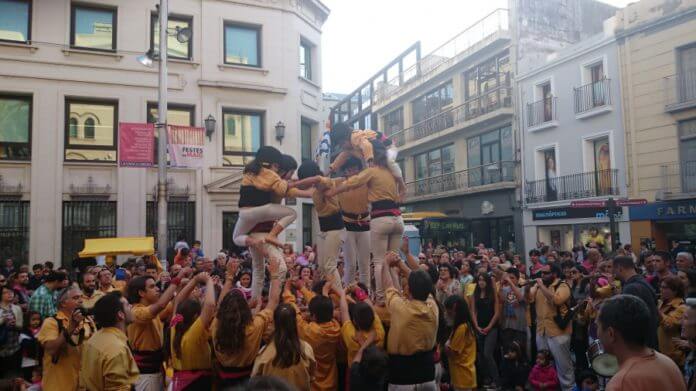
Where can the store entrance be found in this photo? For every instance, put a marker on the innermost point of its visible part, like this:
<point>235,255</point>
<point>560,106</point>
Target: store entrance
<point>682,231</point>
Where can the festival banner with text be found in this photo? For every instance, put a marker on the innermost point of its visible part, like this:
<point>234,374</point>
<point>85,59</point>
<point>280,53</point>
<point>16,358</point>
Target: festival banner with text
<point>186,146</point>
<point>136,144</point>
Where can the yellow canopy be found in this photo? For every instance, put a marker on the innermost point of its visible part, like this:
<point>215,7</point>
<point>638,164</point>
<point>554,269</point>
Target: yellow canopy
<point>418,216</point>
<point>118,246</point>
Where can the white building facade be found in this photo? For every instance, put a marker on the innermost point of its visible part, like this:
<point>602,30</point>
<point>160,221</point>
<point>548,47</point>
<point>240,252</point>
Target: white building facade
<point>69,75</point>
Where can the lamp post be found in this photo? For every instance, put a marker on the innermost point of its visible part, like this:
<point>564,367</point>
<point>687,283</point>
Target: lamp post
<point>162,132</point>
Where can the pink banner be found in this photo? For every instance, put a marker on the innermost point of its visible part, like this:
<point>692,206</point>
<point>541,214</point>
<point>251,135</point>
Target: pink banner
<point>136,144</point>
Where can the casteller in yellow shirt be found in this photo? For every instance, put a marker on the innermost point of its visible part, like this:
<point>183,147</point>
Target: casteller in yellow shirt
<point>462,357</point>
<point>107,362</point>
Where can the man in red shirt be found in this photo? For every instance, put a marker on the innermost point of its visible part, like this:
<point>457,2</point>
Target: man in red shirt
<point>623,327</point>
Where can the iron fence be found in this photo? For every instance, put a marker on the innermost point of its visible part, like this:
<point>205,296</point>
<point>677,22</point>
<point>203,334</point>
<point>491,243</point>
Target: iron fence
<point>541,111</point>
<point>592,95</point>
<point>574,186</point>
<point>14,230</point>
<point>85,220</point>
<point>503,171</point>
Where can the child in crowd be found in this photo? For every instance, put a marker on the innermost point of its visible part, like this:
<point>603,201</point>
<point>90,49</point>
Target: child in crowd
<point>260,184</point>
<point>586,381</point>
<point>358,143</point>
<point>368,370</point>
<point>514,369</point>
<point>461,346</point>
<point>543,376</point>
<point>244,283</point>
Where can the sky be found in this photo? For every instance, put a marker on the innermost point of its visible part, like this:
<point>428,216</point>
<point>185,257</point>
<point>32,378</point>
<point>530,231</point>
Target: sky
<point>362,36</point>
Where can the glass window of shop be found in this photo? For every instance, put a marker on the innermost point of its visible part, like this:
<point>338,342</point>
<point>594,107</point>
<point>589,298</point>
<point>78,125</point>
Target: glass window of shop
<point>432,103</point>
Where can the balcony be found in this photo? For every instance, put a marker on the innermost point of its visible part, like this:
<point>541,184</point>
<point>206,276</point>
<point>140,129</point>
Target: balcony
<point>573,187</point>
<point>542,114</point>
<point>495,99</point>
<point>593,98</point>
<point>492,175</point>
<point>680,91</point>
<point>678,180</point>
<point>492,27</point>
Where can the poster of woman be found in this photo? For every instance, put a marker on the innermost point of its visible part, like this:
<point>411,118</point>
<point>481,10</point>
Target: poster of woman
<point>551,175</point>
<point>603,166</point>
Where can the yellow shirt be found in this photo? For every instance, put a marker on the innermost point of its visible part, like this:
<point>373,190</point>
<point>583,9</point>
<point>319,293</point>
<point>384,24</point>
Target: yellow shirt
<point>252,341</point>
<point>360,147</point>
<point>145,333</point>
<point>107,362</point>
<point>546,310</point>
<point>670,327</point>
<point>350,334</point>
<point>268,180</point>
<point>354,201</point>
<point>299,375</point>
<point>413,324</point>
<point>380,183</point>
<point>195,350</point>
<point>89,301</point>
<point>462,357</point>
<point>326,206</point>
<point>324,339</point>
<point>64,374</point>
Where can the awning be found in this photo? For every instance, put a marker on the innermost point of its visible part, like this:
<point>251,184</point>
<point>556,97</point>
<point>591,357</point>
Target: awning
<point>118,246</point>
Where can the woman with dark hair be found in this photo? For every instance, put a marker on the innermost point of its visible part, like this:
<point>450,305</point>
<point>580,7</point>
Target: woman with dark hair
<point>688,278</point>
<point>671,311</point>
<point>236,333</point>
<point>447,283</point>
<point>286,356</point>
<point>461,346</point>
<point>486,311</point>
<point>189,349</point>
<point>386,224</point>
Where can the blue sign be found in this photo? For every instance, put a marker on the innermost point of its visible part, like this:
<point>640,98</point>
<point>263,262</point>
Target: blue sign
<point>574,213</point>
<point>667,210</point>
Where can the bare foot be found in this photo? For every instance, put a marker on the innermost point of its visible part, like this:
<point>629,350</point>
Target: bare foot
<point>270,239</point>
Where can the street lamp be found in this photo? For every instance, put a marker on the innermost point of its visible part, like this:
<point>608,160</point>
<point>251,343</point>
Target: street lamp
<point>182,35</point>
<point>209,126</point>
<point>280,131</point>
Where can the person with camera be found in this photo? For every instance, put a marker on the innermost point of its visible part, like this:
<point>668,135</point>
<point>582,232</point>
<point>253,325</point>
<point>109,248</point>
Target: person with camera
<point>551,298</point>
<point>513,317</point>
<point>60,337</point>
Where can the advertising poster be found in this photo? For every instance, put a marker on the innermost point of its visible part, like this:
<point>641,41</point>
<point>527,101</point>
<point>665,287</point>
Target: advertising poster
<point>136,144</point>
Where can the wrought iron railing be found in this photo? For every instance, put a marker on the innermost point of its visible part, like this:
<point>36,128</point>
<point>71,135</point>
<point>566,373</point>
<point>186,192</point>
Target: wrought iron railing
<point>490,101</point>
<point>444,56</point>
<point>574,186</point>
<point>678,178</point>
<point>487,174</point>
<point>541,111</point>
<point>595,94</point>
<point>680,90</point>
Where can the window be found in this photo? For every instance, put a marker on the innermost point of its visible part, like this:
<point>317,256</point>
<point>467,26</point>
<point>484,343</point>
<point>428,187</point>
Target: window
<point>175,49</point>
<point>181,220</point>
<point>394,121</point>
<point>14,230</point>
<point>85,219</point>
<point>90,132</point>
<point>243,135</point>
<point>307,223</point>
<point>435,162</point>
<point>354,105</point>
<point>15,20</point>
<point>15,127</point>
<point>181,115</point>
<point>432,103</point>
<point>687,144</point>
<point>365,96</point>
<point>306,60</point>
<point>306,139</point>
<point>488,86</point>
<point>547,98</point>
<point>686,62</point>
<point>93,27</point>
<point>242,44</point>
<point>489,157</point>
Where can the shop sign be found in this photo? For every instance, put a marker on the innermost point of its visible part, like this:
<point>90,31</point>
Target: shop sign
<point>573,213</point>
<point>445,225</point>
<point>672,210</point>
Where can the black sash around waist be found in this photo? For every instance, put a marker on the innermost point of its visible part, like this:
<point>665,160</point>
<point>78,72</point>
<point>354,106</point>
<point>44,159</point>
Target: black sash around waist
<point>331,223</point>
<point>251,196</point>
<point>356,222</point>
<point>234,372</point>
<point>416,368</point>
<point>149,361</point>
<point>384,208</point>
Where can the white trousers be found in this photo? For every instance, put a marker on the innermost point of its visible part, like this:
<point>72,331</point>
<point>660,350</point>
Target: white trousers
<point>258,266</point>
<point>385,235</point>
<point>150,382</point>
<point>249,217</point>
<point>356,252</point>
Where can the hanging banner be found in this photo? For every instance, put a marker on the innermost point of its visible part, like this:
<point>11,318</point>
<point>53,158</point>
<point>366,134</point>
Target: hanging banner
<point>136,144</point>
<point>186,146</point>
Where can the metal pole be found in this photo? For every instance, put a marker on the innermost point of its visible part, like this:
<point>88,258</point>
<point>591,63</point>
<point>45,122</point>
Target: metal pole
<point>611,206</point>
<point>162,132</point>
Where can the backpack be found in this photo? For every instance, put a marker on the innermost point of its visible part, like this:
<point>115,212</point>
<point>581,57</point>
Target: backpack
<point>39,347</point>
<point>561,320</point>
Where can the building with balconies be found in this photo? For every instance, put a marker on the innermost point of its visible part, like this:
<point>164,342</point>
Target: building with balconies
<point>572,141</point>
<point>70,74</point>
<point>657,46</point>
